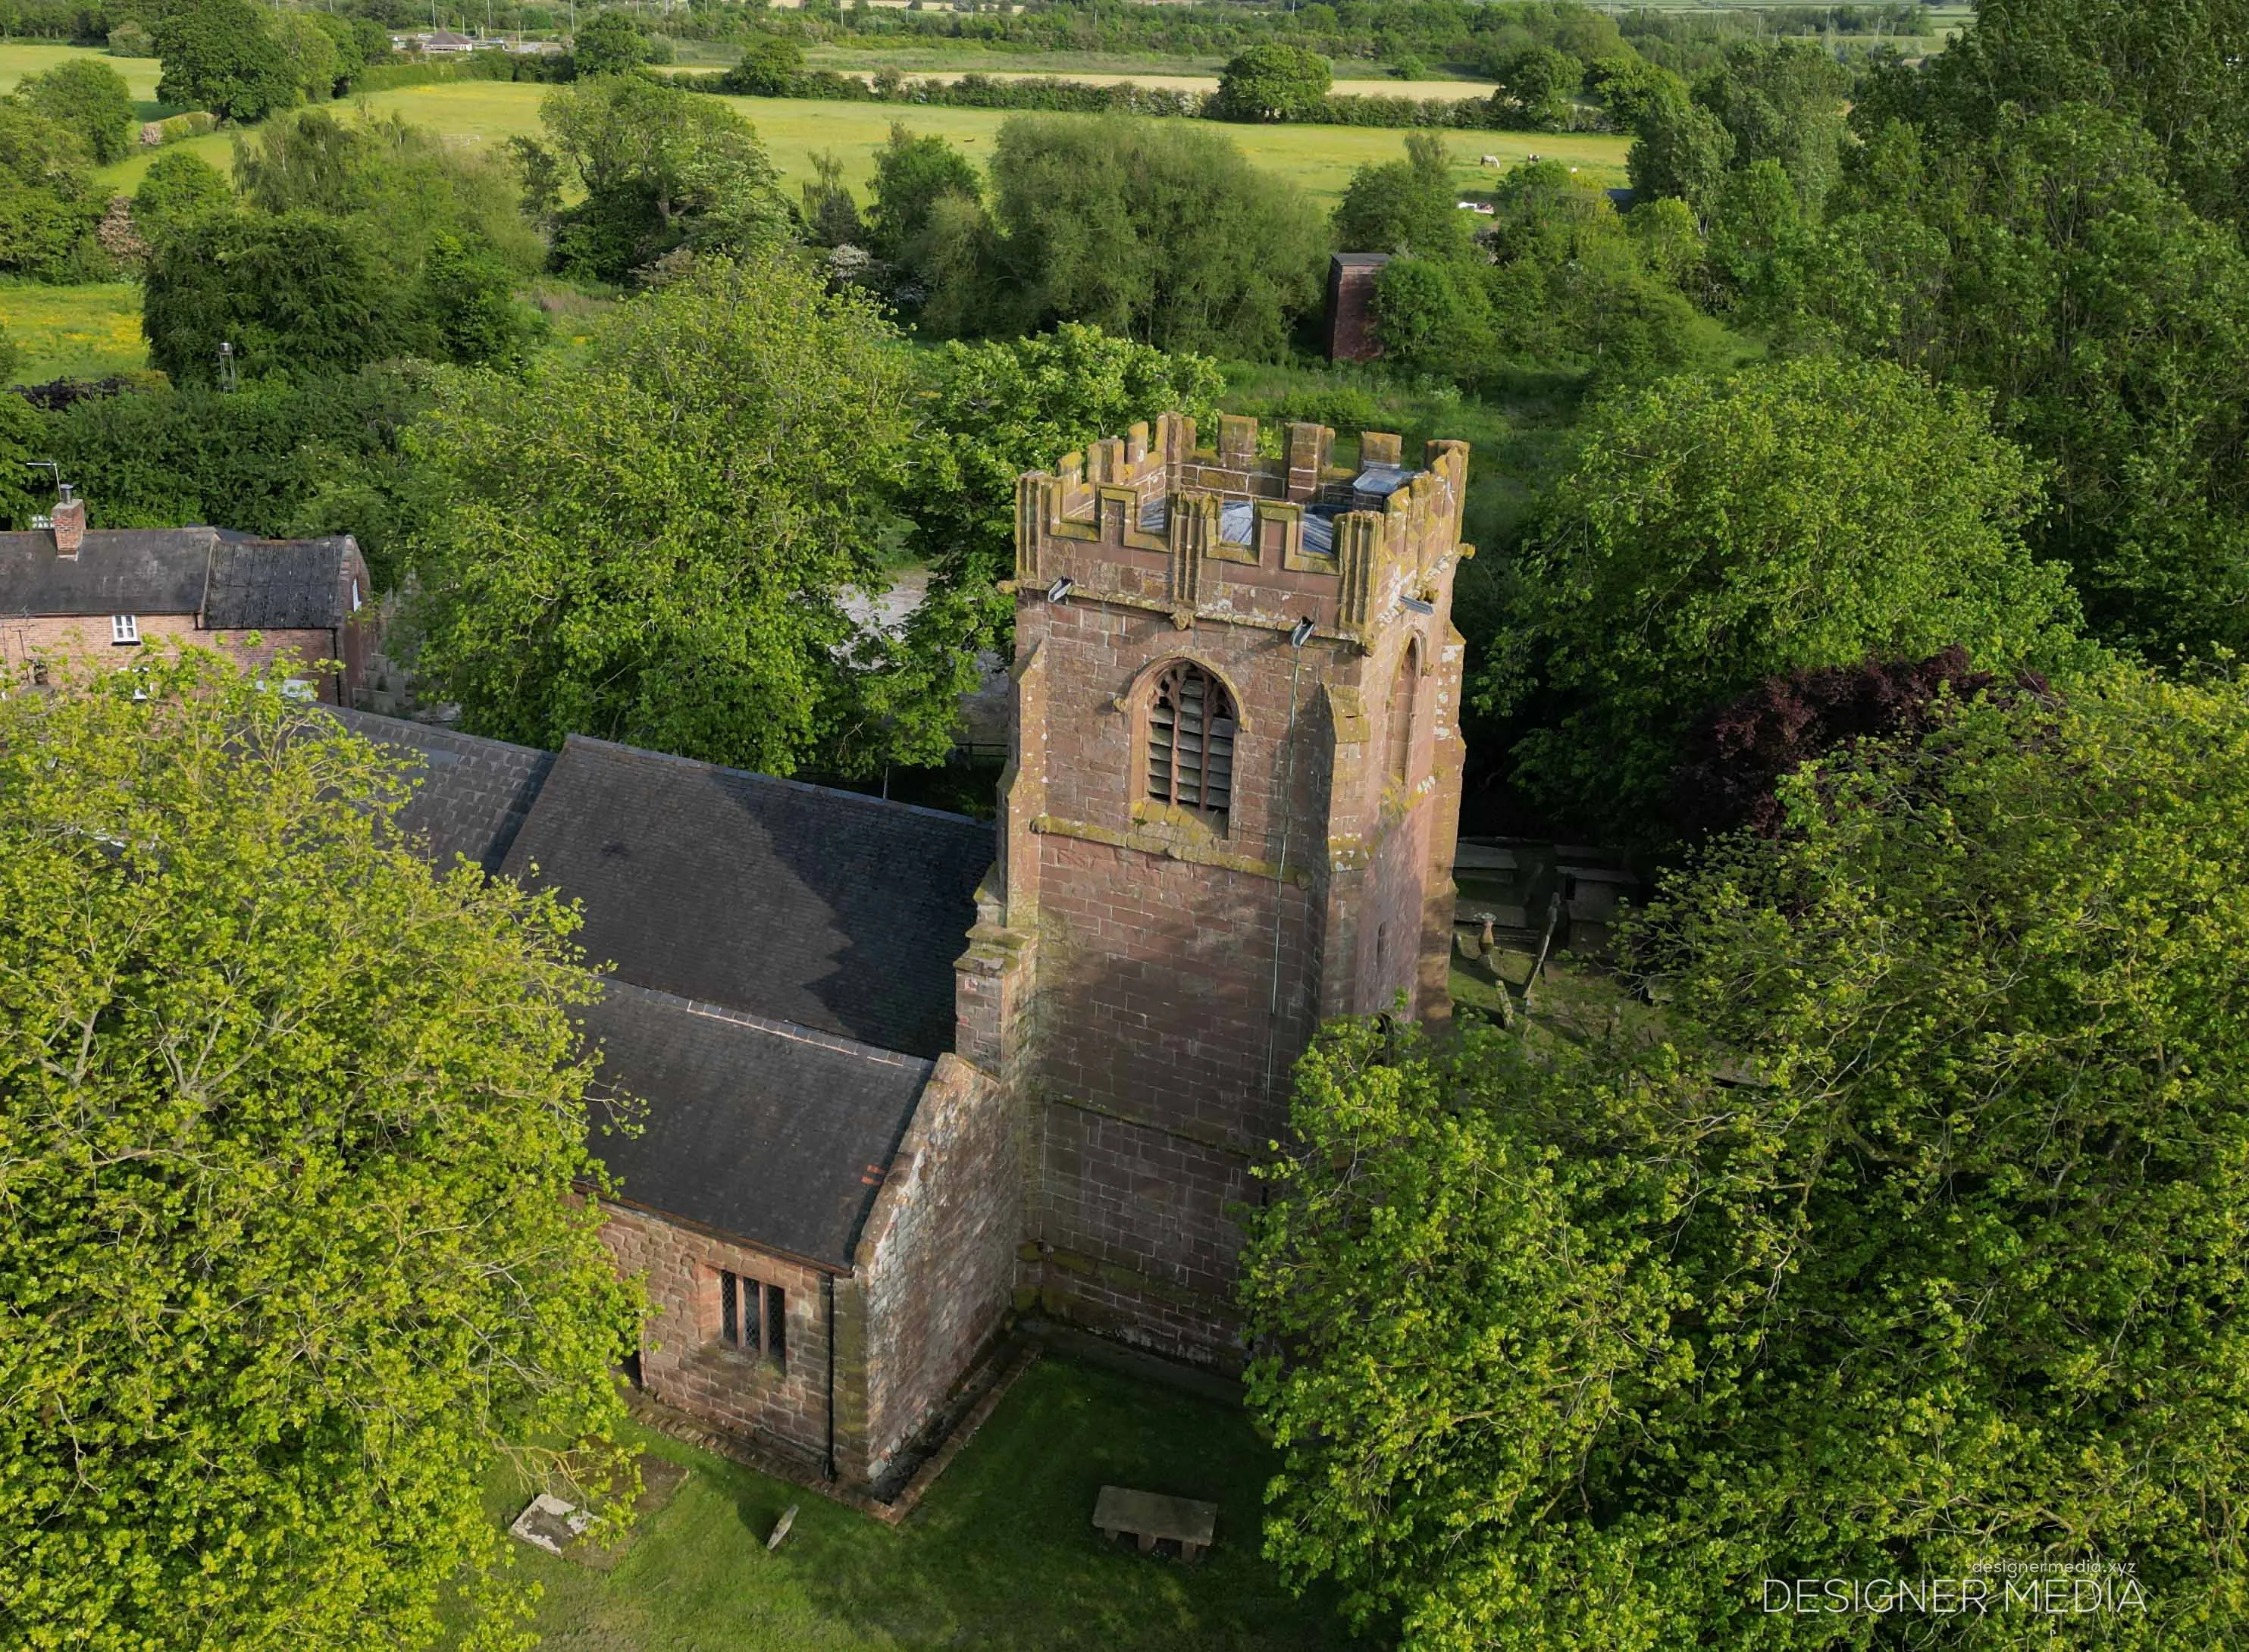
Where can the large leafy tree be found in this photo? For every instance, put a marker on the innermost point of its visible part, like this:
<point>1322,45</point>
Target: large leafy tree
<point>89,98</point>
<point>2055,265</point>
<point>1713,531</point>
<point>662,169</point>
<point>990,412</point>
<point>608,43</point>
<point>2174,69</point>
<point>47,205</point>
<point>1274,81</point>
<point>292,1256</point>
<point>290,292</point>
<point>913,175</point>
<point>1405,206</point>
<point>652,543</point>
<point>219,55</point>
<point>1153,231</point>
<point>1906,1235</point>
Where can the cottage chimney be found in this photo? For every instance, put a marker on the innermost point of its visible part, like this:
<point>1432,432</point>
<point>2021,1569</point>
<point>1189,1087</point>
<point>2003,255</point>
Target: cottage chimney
<point>69,519</point>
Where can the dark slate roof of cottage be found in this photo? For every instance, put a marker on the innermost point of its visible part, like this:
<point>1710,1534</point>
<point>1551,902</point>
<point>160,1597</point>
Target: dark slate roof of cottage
<point>836,912</point>
<point>472,795</point>
<point>236,581</point>
<point>276,585</point>
<point>777,1133</point>
<point>116,571</point>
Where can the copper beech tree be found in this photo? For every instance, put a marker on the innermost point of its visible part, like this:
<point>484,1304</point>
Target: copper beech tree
<point>290,1125</point>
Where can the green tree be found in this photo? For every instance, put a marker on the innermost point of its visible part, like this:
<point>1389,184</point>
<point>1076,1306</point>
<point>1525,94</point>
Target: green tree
<point>1153,231</point>
<point>349,35</point>
<point>1681,152</point>
<point>1911,1235</point>
<point>218,55</point>
<point>86,97</point>
<point>315,64</point>
<point>1540,88</point>
<point>304,454</point>
<point>1714,531</point>
<point>683,505</point>
<point>1784,103</point>
<point>662,169</point>
<point>911,176</point>
<point>1432,316</point>
<point>611,44</point>
<point>767,67</point>
<point>2173,70</point>
<point>989,412</point>
<point>1274,82</point>
<point>22,436</point>
<point>47,206</point>
<point>178,187</point>
<point>293,292</point>
<point>1405,206</point>
<point>2056,266</point>
<point>294,1257</point>
<point>470,299</point>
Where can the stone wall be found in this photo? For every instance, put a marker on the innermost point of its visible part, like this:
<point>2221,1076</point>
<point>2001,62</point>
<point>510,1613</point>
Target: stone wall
<point>1159,1067</point>
<point>684,1363</point>
<point>935,1265</point>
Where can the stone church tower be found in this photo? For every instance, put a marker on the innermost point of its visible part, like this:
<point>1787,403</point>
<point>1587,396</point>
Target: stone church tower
<point>1229,814</point>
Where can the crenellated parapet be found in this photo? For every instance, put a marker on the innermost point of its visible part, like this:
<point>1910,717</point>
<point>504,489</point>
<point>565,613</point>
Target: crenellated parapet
<point>1227,532</point>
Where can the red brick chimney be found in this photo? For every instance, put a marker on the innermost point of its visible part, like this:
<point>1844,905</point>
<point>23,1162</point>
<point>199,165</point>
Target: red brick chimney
<point>69,519</point>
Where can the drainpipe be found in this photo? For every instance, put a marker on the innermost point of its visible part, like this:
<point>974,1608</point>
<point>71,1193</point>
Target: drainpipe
<point>828,1289</point>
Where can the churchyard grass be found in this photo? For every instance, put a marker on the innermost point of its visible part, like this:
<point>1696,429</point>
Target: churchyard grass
<point>86,331</point>
<point>1000,1556</point>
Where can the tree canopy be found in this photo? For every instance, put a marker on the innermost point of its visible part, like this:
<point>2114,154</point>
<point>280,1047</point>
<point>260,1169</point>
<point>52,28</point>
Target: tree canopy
<point>87,98</point>
<point>651,543</point>
<point>610,43</point>
<point>1713,531</point>
<point>293,1257</point>
<point>662,169</point>
<point>219,55</point>
<point>1905,1233</point>
<point>1152,231</point>
<point>1274,81</point>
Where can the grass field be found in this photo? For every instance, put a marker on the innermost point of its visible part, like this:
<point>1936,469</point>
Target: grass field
<point>74,332</point>
<point>20,58</point>
<point>1319,158</point>
<point>1001,1557</point>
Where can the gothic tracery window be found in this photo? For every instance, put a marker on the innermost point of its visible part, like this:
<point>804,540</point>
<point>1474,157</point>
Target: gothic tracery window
<point>1191,723</point>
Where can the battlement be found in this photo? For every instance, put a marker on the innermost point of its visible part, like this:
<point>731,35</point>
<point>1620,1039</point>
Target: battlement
<point>1226,534</point>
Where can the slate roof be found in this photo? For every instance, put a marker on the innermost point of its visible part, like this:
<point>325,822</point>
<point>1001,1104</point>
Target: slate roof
<point>234,581</point>
<point>758,1128</point>
<point>839,913</point>
<point>277,585</point>
<point>472,794</point>
<point>117,571</point>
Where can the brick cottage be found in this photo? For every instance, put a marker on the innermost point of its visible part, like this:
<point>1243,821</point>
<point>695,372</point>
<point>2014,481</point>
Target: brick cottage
<point>906,1072</point>
<point>101,594</point>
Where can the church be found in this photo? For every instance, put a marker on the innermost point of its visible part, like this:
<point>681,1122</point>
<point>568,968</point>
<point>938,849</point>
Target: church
<point>907,1074</point>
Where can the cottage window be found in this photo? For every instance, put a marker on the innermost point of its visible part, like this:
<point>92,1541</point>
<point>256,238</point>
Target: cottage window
<point>124,628</point>
<point>1191,724</point>
<point>753,1317</point>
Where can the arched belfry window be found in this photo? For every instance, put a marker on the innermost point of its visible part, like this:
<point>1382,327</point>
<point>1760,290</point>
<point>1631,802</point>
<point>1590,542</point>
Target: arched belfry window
<point>1190,722</point>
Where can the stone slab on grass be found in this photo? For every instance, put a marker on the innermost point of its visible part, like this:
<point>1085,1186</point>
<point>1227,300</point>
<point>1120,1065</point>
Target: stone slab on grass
<point>548,1523</point>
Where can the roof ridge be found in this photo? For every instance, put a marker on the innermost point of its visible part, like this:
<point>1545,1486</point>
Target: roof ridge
<point>775,780</point>
<point>773,1025</point>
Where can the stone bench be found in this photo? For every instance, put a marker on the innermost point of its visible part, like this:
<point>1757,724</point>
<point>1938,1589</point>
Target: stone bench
<point>1152,1518</point>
